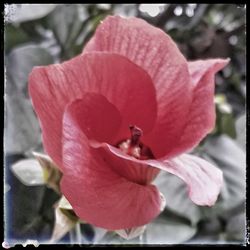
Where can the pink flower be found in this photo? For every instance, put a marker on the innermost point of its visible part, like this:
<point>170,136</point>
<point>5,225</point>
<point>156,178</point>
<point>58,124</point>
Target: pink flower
<point>129,106</point>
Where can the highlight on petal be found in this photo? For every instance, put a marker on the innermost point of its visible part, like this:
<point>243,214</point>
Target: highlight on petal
<point>204,180</point>
<point>199,68</point>
<point>156,53</point>
<point>113,76</point>
<point>201,115</point>
<point>98,194</point>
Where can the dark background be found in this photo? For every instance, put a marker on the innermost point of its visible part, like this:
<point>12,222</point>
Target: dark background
<point>45,34</point>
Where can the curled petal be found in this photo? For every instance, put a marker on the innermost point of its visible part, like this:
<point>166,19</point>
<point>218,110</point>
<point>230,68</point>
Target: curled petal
<point>201,116</point>
<point>123,83</point>
<point>96,192</point>
<point>204,181</point>
<point>132,170</point>
<point>156,53</point>
<point>199,68</point>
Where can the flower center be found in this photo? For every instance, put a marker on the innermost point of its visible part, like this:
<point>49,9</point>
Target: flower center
<point>134,146</point>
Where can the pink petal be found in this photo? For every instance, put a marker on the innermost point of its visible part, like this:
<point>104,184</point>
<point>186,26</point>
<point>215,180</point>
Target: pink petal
<point>98,194</point>
<point>131,170</point>
<point>100,121</point>
<point>199,68</point>
<point>123,83</point>
<point>204,181</point>
<point>157,54</point>
<point>97,117</point>
<point>201,116</point>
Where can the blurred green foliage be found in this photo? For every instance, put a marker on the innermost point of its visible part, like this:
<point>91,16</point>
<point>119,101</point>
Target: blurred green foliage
<point>50,33</point>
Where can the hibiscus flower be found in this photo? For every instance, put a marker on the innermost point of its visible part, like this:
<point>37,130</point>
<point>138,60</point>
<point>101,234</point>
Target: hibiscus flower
<point>128,107</point>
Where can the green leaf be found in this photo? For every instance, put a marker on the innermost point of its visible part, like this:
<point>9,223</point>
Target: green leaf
<point>19,64</point>
<point>14,36</point>
<point>168,229</point>
<point>66,30</point>
<point>51,173</point>
<point>67,209</point>
<point>29,172</point>
<point>165,229</point>
<point>231,159</point>
<point>28,209</point>
<point>236,228</point>
<point>63,224</point>
<point>22,131</point>
<point>227,125</point>
<point>176,195</point>
<point>241,131</point>
<point>224,117</point>
<point>26,12</point>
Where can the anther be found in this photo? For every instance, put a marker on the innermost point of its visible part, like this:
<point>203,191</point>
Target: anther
<point>136,134</point>
<point>134,146</point>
